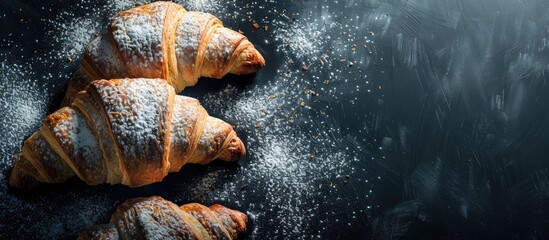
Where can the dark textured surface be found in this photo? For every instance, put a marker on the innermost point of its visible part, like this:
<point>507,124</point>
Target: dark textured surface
<point>430,119</point>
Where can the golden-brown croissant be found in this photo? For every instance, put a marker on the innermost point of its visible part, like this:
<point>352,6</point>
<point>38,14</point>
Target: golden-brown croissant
<point>128,131</point>
<point>163,40</point>
<point>156,218</point>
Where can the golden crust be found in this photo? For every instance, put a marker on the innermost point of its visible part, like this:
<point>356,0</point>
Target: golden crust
<point>128,131</point>
<point>156,218</point>
<point>207,218</point>
<point>234,221</point>
<point>163,40</point>
<point>89,103</point>
<point>77,143</point>
<point>47,165</point>
<point>139,112</point>
<point>173,16</point>
<point>187,122</point>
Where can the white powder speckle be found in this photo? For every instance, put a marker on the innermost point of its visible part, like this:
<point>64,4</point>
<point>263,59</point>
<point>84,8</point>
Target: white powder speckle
<point>80,30</point>
<point>281,157</point>
<point>209,6</point>
<point>304,40</point>
<point>25,102</point>
<point>297,157</point>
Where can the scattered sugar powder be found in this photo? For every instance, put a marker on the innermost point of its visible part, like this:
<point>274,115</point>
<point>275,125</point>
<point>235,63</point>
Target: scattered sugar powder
<point>209,6</point>
<point>80,31</point>
<point>303,39</point>
<point>296,164</point>
<point>23,102</point>
<point>291,184</point>
<point>121,5</point>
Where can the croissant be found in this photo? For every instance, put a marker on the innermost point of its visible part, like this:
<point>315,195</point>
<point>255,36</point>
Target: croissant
<point>128,131</point>
<point>156,218</point>
<point>163,40</point>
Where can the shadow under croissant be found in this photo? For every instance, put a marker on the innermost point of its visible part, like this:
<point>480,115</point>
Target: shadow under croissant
<point>177,185</point>
<point>208,85</point>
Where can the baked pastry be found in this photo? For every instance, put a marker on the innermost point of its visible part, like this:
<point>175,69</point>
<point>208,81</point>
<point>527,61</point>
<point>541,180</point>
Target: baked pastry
<point>163,40</point>
<point>128,131</point>
<point>156,218</point>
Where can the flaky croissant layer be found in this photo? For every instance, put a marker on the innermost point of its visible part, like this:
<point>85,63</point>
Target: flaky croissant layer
<point>163,40</point>
<point>128,131</point>
<point>156,218</point>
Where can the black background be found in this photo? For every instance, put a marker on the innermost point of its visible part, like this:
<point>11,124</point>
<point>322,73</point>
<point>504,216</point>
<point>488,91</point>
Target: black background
<point>430,119</point>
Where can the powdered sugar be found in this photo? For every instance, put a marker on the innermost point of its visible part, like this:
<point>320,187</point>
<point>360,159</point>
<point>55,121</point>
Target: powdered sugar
<point>209,6</point>
<point>188,35</point>
<point>290,183</point>
<point>80,30</point>
<point>74,135</point>
<point>138,36</point>
<point>185,114</point>
<point>153,219</point>
<point>137,110</point>
<point>211,139</point>
<point>141,36</point>
<point>104,58</point>
<point>23,102</point>
<point>299,155</point>
<point>306,40</point>
<point>286,162</point>
<point>181,121</point>
<point>220,50</point>
<point>156,218</point>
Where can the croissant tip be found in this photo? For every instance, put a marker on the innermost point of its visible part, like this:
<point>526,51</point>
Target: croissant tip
<point>235,151</point>
<point>241,215</point>
<point>250,61</point>
<point>255,61</point>
<point>20,180</point>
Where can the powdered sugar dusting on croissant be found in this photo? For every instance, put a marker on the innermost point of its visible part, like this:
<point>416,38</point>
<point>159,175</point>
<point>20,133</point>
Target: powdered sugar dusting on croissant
<point>156,218</point>
<point>138,111</point>
<point>163,40</point>
<point>211,140</point>
<point>138,35</point>
<point>186,112</point>
<point>120,131</point>
<point>78,142</point>
<point>190,31</point>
